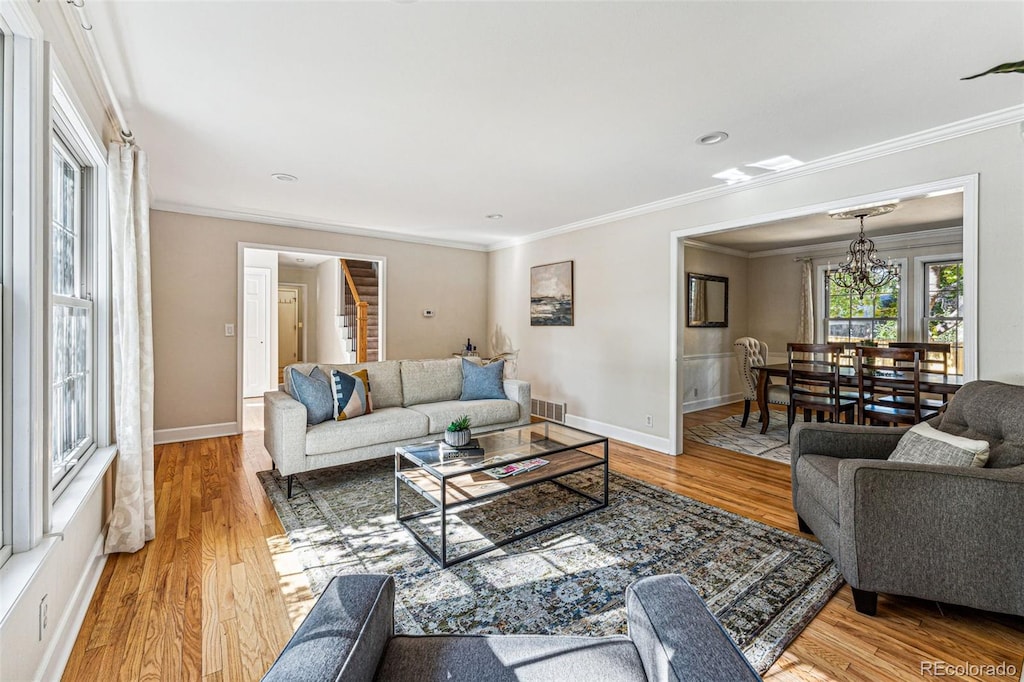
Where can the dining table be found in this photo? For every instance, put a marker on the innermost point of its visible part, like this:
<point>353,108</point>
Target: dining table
<point>941,384</point>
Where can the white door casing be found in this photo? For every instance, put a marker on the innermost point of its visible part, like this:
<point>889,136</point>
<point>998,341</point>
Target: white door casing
<point>256,333</point>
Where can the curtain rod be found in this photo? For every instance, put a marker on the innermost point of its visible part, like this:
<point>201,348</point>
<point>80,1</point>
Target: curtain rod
<point>119,118</point>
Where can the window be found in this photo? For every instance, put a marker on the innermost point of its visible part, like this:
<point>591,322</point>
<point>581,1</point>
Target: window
<point>873,319</point>
<point>943,305</point>
<point>71,363</point>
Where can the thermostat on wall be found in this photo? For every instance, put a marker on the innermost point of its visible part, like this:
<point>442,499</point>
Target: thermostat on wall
<point>429,312</point>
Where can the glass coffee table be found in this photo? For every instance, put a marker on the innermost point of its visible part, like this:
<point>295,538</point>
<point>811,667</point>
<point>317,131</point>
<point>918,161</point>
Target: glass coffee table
<point>452,485</point>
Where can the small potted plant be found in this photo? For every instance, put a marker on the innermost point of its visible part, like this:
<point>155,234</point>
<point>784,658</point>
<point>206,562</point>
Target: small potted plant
<point>457,433</point>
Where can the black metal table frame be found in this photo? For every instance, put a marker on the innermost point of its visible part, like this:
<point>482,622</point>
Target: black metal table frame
<point>444,508</point>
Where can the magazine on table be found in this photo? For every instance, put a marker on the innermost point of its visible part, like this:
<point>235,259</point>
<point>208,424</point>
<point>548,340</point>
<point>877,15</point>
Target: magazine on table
<point>515,467</point>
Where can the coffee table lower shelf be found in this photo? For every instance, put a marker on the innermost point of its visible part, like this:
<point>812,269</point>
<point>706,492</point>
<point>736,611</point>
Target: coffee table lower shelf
<point>453,492</point>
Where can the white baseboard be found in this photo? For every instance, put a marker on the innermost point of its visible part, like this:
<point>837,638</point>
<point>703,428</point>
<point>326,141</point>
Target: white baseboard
<point>63,640</point>
<point>644,440</point>
<point>705,403</point>
<point>195,432</point>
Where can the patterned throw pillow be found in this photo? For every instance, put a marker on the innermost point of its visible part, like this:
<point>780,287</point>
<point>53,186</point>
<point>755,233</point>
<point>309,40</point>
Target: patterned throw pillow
<point>351,393</point>
<point>482,382</point>
<point>314,392</point>
<point>923,444</point>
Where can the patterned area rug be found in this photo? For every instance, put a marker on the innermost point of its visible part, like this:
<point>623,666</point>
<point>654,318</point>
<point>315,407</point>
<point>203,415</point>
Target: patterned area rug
<point>729,435</point>
<point>764,584</point>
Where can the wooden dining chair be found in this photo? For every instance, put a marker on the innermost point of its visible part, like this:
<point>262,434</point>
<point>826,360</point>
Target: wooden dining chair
<point>814,382</point>
<point>934,356</point>
<point>889,383</point>
<point>934,360</point>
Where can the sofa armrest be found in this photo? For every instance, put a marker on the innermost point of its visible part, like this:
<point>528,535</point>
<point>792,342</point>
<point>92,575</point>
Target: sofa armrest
<point>938,532</point>
<point>284,435</point>
<point>344,635</point>
<point>677,637</point>
<point>519,391</point>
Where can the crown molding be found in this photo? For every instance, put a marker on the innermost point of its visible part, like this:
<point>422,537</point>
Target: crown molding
<point>697,244</point>
<point>896,145</point>
<point>288,221</point>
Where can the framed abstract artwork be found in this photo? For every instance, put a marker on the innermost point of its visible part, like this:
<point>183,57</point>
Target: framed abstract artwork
<point>551,295</point>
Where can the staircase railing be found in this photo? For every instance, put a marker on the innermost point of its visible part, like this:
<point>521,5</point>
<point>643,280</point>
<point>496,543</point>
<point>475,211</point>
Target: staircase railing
<point>362,316</point>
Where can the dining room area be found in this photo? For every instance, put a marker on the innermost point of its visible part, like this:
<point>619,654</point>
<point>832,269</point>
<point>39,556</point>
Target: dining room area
<point>856,315</point>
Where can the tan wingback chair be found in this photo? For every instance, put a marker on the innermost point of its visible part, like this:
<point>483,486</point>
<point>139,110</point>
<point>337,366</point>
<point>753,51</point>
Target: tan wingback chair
<point>751,353</point>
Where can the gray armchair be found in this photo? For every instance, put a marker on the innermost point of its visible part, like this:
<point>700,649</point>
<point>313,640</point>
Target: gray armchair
<point>349,637</point>
<point>943,533</point>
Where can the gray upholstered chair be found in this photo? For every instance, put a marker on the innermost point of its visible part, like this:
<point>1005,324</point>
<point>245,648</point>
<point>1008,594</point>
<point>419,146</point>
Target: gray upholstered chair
<point>751,353</point>
<point>943,533</point>
<point>349,637</point>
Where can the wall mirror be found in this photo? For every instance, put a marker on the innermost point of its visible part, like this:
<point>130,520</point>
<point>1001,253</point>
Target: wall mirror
<point>707,300</point>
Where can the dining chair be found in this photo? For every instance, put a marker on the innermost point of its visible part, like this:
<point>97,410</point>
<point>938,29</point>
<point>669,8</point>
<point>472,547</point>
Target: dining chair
<point>934,356</point>
<point>889,383</point>
<point>814,382</point>
<point>934,360</point>
<point>751,354</point>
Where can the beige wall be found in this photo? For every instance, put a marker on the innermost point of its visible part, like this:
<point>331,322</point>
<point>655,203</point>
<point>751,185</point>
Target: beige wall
<point>195,292</point>
<point>614,365</point>
<point>707,340</point>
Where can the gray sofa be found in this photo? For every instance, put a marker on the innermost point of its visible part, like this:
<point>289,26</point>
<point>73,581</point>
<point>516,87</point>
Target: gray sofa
<point>413,401</point>
<point>349,636</point>
<point>942,533</point>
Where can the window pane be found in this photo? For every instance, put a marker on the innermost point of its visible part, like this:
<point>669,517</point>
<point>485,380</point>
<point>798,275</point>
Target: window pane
<point>70,367</point>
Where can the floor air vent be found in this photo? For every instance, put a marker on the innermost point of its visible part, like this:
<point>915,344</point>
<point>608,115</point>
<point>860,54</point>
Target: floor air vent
<point>548,410</point>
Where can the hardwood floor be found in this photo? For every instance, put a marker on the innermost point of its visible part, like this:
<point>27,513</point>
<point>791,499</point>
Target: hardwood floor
<point>218,592</point>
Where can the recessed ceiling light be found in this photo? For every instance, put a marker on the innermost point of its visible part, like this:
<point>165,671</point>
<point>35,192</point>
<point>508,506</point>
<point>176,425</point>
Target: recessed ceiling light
<point>300,260</point>
<point>776,163</point>
<point>713,138</point>
<point>732,175</point>
<point>284,177</point>
<point>494,216</point>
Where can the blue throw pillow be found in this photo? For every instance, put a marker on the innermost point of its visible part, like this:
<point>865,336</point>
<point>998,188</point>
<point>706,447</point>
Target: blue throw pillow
<point>482,382</point>
<point>315,393</point>
<point>351,394</point>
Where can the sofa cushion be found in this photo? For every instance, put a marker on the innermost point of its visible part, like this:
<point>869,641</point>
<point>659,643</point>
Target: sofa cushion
<point>819,478</point>
<point>351,394</point>
<point>533,658</point>
<point>380,426</point>
<point>430,381</point>
<point>314,392</point>
<point>385,379</point>
<point>991,411</point>
<point>480,412</point>
<point>482,382</point>
<point>923,444</point>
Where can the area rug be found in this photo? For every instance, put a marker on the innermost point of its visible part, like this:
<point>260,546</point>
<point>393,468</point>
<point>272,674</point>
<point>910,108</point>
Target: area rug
<point>729,435</point>
<point>763,584</point>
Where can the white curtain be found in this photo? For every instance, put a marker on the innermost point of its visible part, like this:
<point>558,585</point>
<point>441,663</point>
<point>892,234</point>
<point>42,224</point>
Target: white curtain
<point>133,521</point>
<point>806,333</point>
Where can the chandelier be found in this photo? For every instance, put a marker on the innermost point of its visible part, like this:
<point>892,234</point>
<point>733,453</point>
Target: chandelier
<point>863,269</point>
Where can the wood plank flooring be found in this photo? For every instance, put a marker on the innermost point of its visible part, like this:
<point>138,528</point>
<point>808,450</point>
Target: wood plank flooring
<point>218,592</point>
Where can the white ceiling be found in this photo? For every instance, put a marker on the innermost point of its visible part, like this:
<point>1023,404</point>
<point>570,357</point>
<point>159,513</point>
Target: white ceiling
<point>423,118</point>
<point>911,215</point>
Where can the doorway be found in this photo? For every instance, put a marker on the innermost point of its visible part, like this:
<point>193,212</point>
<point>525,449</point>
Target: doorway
<point>967,186</point>
<point>256,331</point>
<point>291,332</point>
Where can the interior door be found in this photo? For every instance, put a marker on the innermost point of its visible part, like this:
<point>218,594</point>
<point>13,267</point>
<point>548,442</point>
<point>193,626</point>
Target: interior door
<point>255,346</point>
<point>287,327</point>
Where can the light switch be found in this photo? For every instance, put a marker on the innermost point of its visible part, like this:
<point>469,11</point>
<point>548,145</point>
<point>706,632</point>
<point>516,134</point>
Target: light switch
<point>229,329</point>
